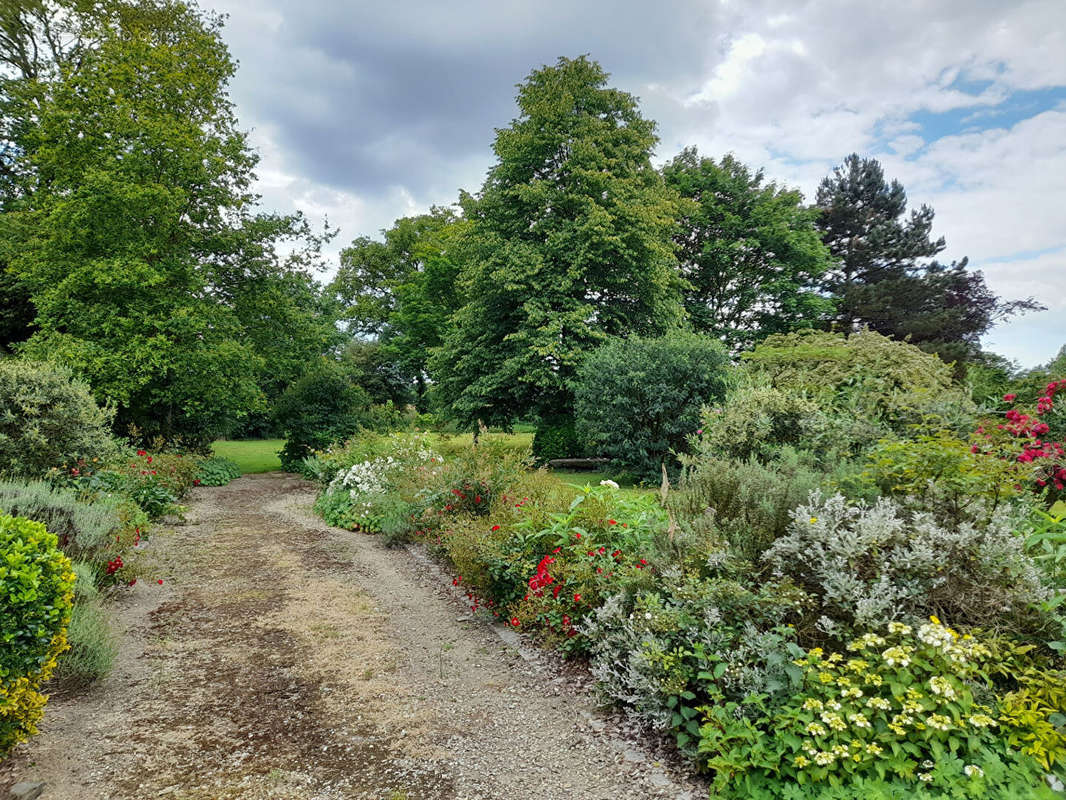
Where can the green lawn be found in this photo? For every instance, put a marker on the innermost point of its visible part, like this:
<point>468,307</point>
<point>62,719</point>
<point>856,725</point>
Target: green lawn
<point>581,477</point>
<point>251,455</point>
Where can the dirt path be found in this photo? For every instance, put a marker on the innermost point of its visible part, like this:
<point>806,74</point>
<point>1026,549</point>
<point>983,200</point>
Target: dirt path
<point>285,659</point>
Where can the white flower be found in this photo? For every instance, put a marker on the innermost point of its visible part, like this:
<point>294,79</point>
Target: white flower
<point>972,770</point>
<point>610,484</point>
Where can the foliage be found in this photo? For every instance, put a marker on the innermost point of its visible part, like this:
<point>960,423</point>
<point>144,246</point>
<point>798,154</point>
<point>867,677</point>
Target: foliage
<point>130,224</point>
<point>899,707</point>
<point>749,251</point>
<point>93,644</point>
<point>1046,543</point>
<point>556,437</point>
<point>320,408</point>
<point>750,503</point>
<point>879,281</point>
<point>569,243</point>
<point>1034,437</point>
<point>217,471</point>
<point>92,528</point>
<point>155,481</point>
<point>405,290</point>
<point>637,401</point>
<point>892,385</point>
<point>48,418</point>
<point>867,565</point>
<point>668,649</point>
<point>945,475</point>
<point>36,594</point>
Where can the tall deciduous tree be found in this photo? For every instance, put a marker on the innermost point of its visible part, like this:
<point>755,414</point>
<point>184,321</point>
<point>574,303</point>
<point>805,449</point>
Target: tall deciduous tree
<point>130,221</point>
<point>749,250</point>
<point>570,242</point>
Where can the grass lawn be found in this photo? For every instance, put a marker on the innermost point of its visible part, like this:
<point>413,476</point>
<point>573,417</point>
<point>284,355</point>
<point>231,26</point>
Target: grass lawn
<point>251,455</point>
<point>581,477</point>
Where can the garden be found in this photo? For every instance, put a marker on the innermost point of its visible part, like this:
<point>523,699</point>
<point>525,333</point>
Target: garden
<point>819,548</point>
<point>853,579</point>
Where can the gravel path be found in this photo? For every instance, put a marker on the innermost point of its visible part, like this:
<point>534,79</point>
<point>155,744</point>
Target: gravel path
<point>285,659</point>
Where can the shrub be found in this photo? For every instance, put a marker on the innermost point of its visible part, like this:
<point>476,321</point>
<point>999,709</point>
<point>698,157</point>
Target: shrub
<point>93,645</point>
<point>899,710</point>
<point>36,593</point>
<point>637,400</point>
<point>668,649</point>
<point>48,419</point>
<point>752,503</point>
<point>556,437</point>
<point>867,565</point>
<point>95,529</point>
<point>320,408</point>
<point>867,376</point>
<point>945,475</point>
<point>155,481</point>
<point>217,471</point>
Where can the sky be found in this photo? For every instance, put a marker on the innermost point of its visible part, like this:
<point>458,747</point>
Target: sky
<point>364,112</point>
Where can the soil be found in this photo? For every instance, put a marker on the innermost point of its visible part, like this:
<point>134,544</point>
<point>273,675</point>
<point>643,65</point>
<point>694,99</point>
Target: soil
<point>282,658</point>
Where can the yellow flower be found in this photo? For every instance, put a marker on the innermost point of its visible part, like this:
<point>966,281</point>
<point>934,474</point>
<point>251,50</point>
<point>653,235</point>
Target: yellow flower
<point>814,520</point>
<point>934,620</point>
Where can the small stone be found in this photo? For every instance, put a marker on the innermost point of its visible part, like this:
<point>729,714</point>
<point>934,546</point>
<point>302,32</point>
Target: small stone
<point>27,790</point>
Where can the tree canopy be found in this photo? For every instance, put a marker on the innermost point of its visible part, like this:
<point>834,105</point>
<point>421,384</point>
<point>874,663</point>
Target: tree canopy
<point>749,250</point>
<point>132,227</point>
<point>570,242</point>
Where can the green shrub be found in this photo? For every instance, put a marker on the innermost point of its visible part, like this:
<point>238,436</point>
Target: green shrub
<point>638,400</point>
<point>48,419</point>
<point>902,709</point>
<point>752,502</point>
<point>93,528</point>
<point>36,594</point>
<point>556,437</point>
<point>941,473</point>
<point>217,471</point>
<point>887,384</point>
<point>320,408</point>
<point>667,649</point>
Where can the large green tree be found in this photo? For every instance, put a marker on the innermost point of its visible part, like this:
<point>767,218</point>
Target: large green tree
<point>570,243</point>
<point>749,250</point>
<point>883,279</point>
<point>132,226</point>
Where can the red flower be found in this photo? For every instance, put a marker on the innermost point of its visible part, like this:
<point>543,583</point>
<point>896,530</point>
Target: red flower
<point>160,581</point>
<point>1009,398</point>
<point>611,522</point>
<point>133,581</point>
<point>141,453</point>
<point>495,527</point>
<point>577,535</point>
<point>515,622</point>
<point>577,598</point>
<point>149,459</point>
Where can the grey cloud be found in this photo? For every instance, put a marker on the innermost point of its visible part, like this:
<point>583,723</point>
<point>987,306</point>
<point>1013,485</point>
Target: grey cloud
<point>363,97</point>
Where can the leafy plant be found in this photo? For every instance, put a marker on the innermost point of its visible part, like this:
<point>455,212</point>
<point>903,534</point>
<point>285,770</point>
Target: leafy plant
<point>36,595</point>
<point>217,471</point>
<point>47,419</point>
<point>637,400</point>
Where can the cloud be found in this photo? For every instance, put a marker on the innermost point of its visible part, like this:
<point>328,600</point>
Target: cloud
<point>368,111</point>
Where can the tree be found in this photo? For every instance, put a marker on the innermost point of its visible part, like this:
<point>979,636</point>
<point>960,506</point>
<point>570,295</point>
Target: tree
<point>406,289</point>
<point>749,251</point>
<point>131,224</point>
<point>880,280</point>
<point>570,243</point>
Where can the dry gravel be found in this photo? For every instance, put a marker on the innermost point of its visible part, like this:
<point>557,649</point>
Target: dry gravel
<point>285,659</point>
